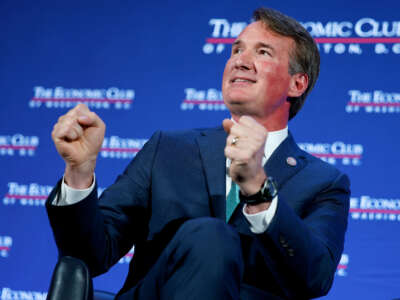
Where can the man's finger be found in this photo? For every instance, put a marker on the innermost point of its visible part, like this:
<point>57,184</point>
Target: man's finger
<point>81,109</point>
<point>247,120</point>
<point>88,119</point>
<point>227,124</point>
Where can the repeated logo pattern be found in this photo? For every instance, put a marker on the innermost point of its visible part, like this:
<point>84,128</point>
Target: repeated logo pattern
<point>365,35</point>
<point>210,99</point>
<point>376,101</point>
<point>5,245</point>
<point>18,144</point>
<point>336,152</point>
<point>368,208</point>
<point>31,194</point>
<point>60,97</point>
<point>9,294</point>
<point>121,148</point>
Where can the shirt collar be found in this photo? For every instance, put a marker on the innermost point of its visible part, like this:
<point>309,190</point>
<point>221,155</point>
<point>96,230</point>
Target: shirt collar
<point>274,139</point>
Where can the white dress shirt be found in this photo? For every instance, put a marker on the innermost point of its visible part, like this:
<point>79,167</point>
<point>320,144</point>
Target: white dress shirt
<point>258,222</point>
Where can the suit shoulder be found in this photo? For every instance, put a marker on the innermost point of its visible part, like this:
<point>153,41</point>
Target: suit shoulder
<point>320,167</point>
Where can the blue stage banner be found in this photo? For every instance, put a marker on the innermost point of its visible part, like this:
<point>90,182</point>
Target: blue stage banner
<point>144,66</point>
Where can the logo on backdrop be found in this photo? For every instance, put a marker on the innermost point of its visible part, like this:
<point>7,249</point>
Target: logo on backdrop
<point>376,101</point>
<point>368,208</point>
<point>223,32</point>
<point>336,152</point>
<point>334,37</point>
<point>128,257</point>
<point>341,269</point>
<point>9,294</point>
<point>117,147</point>
<point>5,245</point>
<point>60,97</point>
<point>18,144</point>
<point>31,194</point>
<point>210,99</point>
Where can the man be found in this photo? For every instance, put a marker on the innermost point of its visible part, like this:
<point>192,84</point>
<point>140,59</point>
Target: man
<point>179,207</point>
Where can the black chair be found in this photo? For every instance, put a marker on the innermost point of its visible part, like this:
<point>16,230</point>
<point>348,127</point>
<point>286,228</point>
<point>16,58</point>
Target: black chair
<point>71,281</point>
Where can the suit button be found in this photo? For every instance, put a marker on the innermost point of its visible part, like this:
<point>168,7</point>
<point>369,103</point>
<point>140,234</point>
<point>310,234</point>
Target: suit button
<point>283,242</point>
<point>290,252</point>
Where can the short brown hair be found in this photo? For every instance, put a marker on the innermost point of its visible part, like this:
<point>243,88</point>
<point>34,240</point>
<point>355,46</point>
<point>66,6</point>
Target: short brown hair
<point>304,58</point>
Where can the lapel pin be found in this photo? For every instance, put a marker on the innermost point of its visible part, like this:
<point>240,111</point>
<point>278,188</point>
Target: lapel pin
<point>291,161</point>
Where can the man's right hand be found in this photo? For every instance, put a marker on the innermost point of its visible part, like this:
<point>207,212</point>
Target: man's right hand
<point>78,136</point>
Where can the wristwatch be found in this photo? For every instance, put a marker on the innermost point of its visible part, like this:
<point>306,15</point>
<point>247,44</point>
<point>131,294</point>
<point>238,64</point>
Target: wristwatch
<point>267,192</point>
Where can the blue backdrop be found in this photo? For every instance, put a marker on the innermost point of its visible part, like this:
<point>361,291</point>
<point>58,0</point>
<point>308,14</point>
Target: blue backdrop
<point>144,66</point>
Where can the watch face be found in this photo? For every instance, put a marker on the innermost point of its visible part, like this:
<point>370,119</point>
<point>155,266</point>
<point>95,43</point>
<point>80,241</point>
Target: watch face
<point>269,190</point>
<point>266,194</point>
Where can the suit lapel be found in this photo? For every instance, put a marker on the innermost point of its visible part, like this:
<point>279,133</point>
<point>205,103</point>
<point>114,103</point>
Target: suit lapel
<point>211,144</point>
<point>278,166</point>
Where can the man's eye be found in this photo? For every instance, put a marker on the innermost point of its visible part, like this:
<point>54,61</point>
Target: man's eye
<point>264,52</point>
<point>237,50</point>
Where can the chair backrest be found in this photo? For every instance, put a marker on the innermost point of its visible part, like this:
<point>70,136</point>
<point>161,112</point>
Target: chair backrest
<point>70,281</point>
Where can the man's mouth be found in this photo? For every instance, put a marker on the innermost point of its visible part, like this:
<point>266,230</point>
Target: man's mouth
<point>235,80</point>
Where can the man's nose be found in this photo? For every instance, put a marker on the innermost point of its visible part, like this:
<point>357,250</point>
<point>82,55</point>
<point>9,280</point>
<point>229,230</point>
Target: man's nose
<point>244,61</point>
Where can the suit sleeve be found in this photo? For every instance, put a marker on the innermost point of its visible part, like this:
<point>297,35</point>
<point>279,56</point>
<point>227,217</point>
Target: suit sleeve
<point>306,248</point>
<point>101,231</point>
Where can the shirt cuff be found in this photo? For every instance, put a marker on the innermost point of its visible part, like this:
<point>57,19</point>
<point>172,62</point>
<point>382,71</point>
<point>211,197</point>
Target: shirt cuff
<point>69,195</point>
<point>260,221</point>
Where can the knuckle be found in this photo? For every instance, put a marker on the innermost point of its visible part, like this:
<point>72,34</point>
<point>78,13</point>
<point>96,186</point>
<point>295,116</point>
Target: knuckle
<point>55,133</point>
<point>72,134</point>
<point>60,118</point>
<point>55,126</point>
<point>247,120</point>
<point>83,108</point>
<point>235,130</point>
<point>227,151</point>
<point>74,109</point>
<point>76,130</point>
<point>68,123</point>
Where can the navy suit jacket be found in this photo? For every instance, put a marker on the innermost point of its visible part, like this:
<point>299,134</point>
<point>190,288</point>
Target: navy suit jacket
<point>181,175</point>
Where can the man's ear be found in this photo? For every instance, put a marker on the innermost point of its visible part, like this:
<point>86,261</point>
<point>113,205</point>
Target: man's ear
<point>298,84</point>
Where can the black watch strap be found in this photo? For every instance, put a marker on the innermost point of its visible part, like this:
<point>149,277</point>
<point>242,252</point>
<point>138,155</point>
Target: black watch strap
<point>267,192</point>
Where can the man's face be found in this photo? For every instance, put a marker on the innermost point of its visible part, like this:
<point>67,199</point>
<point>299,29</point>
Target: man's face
<point>256,78</point>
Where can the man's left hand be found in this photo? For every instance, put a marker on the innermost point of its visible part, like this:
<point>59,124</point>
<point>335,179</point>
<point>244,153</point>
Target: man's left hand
<point>245,148</point>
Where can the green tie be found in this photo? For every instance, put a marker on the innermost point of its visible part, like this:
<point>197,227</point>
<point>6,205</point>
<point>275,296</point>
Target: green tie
<point>232,200</point>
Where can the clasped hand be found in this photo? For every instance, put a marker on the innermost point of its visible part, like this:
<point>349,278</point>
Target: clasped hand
<point>78,136</point>
<point>245,148</point>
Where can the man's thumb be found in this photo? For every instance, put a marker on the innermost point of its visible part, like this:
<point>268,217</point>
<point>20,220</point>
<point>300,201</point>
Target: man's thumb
<point>227,124</point>
<point>85,120</point>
